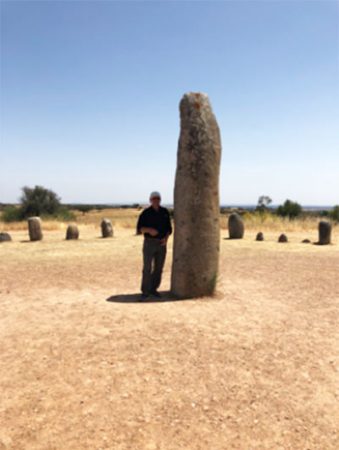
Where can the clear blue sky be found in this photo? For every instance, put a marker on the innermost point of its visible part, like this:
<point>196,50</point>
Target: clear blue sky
<point>90,93</point>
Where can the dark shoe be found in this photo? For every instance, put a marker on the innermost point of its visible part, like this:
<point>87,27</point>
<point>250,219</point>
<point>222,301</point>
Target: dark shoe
<point>143,297</point>
<point>156,294</point>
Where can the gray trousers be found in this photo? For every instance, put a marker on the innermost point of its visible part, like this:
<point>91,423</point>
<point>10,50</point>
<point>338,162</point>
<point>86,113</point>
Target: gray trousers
<point>154,259</point>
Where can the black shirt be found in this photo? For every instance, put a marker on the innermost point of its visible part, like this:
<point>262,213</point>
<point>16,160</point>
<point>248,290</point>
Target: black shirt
<point>158,219</point>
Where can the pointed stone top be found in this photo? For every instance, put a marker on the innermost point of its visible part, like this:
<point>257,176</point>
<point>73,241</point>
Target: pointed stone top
<point>194,105</point>
<point>195,95</point>
<point>195,100</point>
<point>196,111</point>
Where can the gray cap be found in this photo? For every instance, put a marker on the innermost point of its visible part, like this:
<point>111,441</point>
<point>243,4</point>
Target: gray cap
<point>155,194</point>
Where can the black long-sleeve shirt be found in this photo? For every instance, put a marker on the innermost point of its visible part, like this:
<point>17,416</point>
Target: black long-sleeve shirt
<point>158,219</point>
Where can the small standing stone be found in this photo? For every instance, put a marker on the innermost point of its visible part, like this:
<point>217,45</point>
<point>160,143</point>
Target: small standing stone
<point>72,232</point>
<point>34,229</point>
<point>5,237</point>
<point>236,226</point>
<point>106,228</point>
<point>325,229</point>
<point>260,236</point>
<point>283,238</point>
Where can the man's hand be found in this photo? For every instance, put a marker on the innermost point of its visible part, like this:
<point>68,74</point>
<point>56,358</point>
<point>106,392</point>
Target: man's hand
<point>152,231</point>
<point>163,241</point>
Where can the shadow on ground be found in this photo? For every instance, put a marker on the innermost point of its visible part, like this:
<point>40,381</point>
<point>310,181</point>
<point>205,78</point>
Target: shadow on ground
<point>166,296</point>
<point>231,239</point>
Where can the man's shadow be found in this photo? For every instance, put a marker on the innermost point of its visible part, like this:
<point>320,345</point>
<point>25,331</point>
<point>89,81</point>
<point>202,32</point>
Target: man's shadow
<point>166,296</point>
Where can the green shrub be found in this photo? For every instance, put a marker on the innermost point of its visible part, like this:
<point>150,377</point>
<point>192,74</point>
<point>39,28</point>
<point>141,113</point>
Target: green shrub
<point>334,213</point>
<point>289,209</point>
<point>64,214</point>
<point>11,214</point>
<point>15,214</point>
<point>84,208</point>
<point>39,201</point>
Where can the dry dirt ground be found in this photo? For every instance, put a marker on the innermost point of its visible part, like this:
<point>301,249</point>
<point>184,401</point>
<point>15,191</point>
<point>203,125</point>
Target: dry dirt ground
<point>85,366</point>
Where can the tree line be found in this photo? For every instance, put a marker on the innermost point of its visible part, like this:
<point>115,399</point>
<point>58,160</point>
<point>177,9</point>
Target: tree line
<point>42,202</point>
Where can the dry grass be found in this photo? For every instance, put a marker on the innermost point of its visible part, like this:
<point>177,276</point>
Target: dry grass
<point>127,218</point>
<point>48,225</point>
<point>270,222</point>
<point>253,368</point>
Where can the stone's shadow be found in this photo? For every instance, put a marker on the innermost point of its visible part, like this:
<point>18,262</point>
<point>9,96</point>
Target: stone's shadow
<point>166,296</point>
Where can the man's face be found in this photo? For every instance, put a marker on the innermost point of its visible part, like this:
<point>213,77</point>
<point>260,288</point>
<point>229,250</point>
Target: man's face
<point>155,202</point>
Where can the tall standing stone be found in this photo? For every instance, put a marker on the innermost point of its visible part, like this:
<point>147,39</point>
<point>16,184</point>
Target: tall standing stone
<point>34,229</point>
<point>196,200</point>
<point>325,229</point>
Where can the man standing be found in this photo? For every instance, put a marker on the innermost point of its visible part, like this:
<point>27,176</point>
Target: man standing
<point>155,224</point>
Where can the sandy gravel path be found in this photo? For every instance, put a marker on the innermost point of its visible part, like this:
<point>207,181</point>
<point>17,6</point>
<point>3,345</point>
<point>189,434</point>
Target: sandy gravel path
<point>84,366</point>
